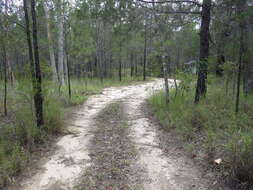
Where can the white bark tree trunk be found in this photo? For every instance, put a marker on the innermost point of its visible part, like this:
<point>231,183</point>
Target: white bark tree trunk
<point>50,43</point>
<point>61,43</point>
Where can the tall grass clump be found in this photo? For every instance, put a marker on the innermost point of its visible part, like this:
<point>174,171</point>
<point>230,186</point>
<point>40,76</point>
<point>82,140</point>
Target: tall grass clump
<point>212,127</point>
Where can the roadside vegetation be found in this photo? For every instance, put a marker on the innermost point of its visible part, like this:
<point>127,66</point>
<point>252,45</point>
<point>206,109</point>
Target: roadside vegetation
<point>211,130</point>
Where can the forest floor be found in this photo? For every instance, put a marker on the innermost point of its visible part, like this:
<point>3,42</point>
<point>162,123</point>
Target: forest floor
<point>114,146</point>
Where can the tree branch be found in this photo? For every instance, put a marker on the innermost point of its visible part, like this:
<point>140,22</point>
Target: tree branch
<point>172,1</point>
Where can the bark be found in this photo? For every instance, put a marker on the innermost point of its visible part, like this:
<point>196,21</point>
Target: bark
<point>120,61</point>
<point>132,64</point>
<point>9,69</point>
<point>165,75</point>
<point>5,79</point>
<point>220,62</point>
<point>247,58</point>
<point>34,62</point>
<point>38,99</point>
<point>50,43</point>
<point>176,86</point>
<point>69,82</point>
<point>65,66</point>
<point>61,43</point>
<point>5,58</point>
<point>201,87</point>
<point>136,66</point>
<point>240,10</point>
<point>145,53</point>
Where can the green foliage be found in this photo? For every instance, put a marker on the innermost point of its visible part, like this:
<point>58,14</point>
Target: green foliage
<point>213,125</point>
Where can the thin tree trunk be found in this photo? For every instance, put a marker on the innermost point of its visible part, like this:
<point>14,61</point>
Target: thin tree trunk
<point>136,65</point>
<point>61,43</point>
<point>69,81</point>
<point>5,57</point>
<point>120,61</point>
<point>239,76</point>
<point>165,75</point>
<point>9,69</point>
<point>38,94</point>
<point>132,64</point>
<point>145,53</point>
<point>65,66</point>
<point>50,43</point>
<point>176,86</point>
<point>220,62</point>
<point>5,79</point>
<point>240,11</point>
<point>201,87</point>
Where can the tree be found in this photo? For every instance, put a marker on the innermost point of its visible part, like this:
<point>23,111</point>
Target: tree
<point>50,42</point>
<point>201,87</point>
<point>241,4</point>
<point>34,61</point>
<point>61,42</point>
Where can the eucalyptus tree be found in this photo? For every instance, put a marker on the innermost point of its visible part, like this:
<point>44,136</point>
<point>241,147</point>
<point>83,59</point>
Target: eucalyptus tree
<point>50,41</point>
<point>60,9</point>
<point>32,41</point>
<point>4,42</point>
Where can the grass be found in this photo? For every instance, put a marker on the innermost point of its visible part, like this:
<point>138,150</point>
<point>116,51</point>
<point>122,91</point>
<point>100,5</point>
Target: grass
<point>19,135</point>
<point>211,129</point>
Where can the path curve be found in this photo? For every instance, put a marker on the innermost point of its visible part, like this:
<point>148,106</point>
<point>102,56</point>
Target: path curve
<point>62,170</point>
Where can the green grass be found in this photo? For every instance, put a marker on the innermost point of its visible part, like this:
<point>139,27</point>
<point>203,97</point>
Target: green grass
<point>19,136</point>
<point>211,128</point>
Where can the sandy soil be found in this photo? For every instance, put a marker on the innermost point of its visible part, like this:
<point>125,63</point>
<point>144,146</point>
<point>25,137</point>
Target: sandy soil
<point>63,169</point>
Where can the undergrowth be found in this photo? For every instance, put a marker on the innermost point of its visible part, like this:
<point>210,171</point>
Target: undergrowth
<point>211,129</point>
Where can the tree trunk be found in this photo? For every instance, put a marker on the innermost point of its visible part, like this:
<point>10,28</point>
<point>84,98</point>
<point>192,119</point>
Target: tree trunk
<point>69,81</point>
<point>145,53</point>
<point>61,43</point>
<point>5,57</point>
<point>220,62</point>
<point>132,64</point>
<point>136,66</point>
<point>38,94</point>
<point>240,12</point>
<point>247,58</point>
<point>201,87</point>
<point>165,75</point>
<point>5,79</point>
<point>120,61</point>
<point>50,43</point>
<point>176,86</point>
<point>9,69</point>
<point>34,62</point>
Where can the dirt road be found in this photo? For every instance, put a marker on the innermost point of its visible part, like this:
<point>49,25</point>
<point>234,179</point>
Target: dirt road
<point>63,169</point>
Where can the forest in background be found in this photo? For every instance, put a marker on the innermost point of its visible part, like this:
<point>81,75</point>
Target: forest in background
<point>55,53</point>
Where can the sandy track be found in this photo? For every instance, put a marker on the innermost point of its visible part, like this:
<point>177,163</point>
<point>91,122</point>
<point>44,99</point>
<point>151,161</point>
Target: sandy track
<point>63,169</point>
